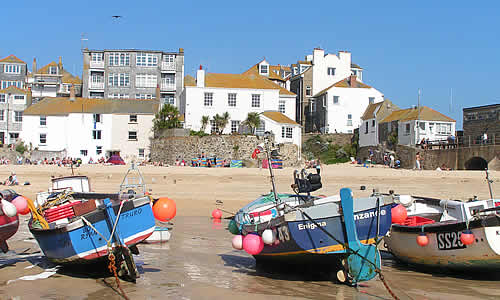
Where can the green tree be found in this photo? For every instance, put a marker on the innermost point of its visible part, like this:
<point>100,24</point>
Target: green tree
<point>167,117</point>
<point>204,123</point>
<point>253,121</point>
<point>222,122</point>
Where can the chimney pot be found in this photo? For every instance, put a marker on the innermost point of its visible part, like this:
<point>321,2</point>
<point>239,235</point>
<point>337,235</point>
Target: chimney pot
<point>201,68</point>
<point>352,80</point>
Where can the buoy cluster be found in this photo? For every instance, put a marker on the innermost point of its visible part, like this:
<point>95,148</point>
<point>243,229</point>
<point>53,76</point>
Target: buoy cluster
<point>252,243</point>
<point>164,209</point>
<point>18,206</point>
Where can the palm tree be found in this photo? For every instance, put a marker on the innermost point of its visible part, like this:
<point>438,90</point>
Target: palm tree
<point>253,121</point>
<point>223,120</point>
<point>204,123</point>
<point>167,117</point>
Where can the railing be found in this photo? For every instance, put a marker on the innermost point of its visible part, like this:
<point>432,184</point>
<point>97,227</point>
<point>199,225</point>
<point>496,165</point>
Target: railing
<point>97,64</point>
<point>462,142</point>
<point>97,85</point>
<point>47,79</point>
<point>167,66</point>
<point>166,86</point>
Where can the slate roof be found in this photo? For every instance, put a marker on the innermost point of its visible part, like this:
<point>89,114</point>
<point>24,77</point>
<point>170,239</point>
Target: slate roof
<point>279,117</point>
<point>13,90</point>
<point>426,114</point>
<point>53,106</point>
<point>370,110</point>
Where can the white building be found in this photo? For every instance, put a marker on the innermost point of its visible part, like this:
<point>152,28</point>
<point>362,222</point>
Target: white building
<point>339,107</point>
<point>278,74</point>
<point>369,129</point>
<point>13,101</point>
<point>236,94</point>
<point>431,124</point>
<point>91,128</point>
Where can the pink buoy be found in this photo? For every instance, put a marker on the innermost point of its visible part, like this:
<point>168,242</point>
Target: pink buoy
<point>21,205</point>
<point>238,242</point>
<point>398,214</point>
<point>253,244</point>
<point>422,239</point>
<point>217,213</point>
<point>467,237</point>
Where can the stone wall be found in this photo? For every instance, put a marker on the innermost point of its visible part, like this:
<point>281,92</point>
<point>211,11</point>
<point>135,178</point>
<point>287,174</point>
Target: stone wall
<point>332,138</point>
<point>168,149</point>
<point>39,154</point>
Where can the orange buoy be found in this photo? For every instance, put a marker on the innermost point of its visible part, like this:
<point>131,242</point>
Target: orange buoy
<point>217,213</point>
<point>422,239</point>
<point>467,237</point>
<point>398,214</point>
<point>164,209</point>
<point>21,205</point>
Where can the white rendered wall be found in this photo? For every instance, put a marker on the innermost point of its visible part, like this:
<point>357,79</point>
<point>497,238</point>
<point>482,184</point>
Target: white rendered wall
<point>352,101</point>
<point>370,138</point>
<point>321,63</point>
<point>413,138</point>
<point>121,125</point>
<point>275,128</point>
<point>56,132</point>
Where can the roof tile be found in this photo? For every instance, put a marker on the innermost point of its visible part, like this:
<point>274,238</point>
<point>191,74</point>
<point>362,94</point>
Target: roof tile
<point>12,59</point>
<point>279,117</point>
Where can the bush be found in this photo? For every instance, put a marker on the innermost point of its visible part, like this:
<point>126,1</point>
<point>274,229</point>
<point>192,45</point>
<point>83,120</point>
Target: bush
<point>197,133</point>
<point>328,153</point>
<point>21,148</point>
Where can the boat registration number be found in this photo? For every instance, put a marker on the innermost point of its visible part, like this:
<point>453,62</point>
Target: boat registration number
<point>449,240</point>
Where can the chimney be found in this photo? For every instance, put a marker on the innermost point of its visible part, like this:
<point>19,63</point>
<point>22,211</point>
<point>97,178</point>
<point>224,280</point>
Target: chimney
<point>318,55</point>
<point>200,77</point>
<point>181,50</point>
<point>60,66</point>
<point>72,93</point>
<point>29,96</point>
<point>158,93</point>
<point>352,80</point>
<point>34,65</point>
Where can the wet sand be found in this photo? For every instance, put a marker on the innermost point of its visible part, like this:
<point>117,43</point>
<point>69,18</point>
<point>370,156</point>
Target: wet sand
<point>199,263</point>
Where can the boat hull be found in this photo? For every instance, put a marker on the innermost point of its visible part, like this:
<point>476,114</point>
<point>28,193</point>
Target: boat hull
<point>8,227</point>
<point>445,250</point>
<point>77,242</point>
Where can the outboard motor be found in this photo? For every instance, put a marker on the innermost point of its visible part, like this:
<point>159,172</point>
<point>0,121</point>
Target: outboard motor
<point>306,183</point>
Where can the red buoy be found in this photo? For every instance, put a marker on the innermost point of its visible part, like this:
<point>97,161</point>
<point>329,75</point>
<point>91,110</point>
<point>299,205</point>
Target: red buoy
<point>164,209</point>
<point>217,213</point>
<point>422,239</point>
<point>467,237</point>
<point>398,214</point>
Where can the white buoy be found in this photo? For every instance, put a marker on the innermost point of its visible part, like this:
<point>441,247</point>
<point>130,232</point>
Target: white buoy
<point>238,242</point>
<point>8,208</point>
<point>268,237</point>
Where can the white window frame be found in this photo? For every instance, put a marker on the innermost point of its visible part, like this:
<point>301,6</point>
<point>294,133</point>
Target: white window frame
<point>407,129</point>
<point>96,56</point>
<point>146,80</point>
<point>141,153</point>
<point>132,118</point>
<point>43,121</point>
<point>264,69</point>
<point>12,69</point>
<point>7,83</point>
<point>168,99</point>
<point>331,71</point>
<point>208,99</point>
<point>118,59</point>
<point>97,118</point>
<point>98,150</point>
<point>282,106</point>
<point>144,96</point>
<point>43,139</point>
<point>336,99</point>
<point>169,58</point>
<point>119,79</point>
<point>231,99</point>
<point>308,91</point>
<point>18,116</point>
<point>235,125</point>
<point>146,59</point>
<point>255,100</point>
<point>131,136</point>
<point>53,70</point>
<point>213,127</point>
<point>371,100</point>
<point>97,78</point>
<point>349,119</point>
<point>96,134</point>
<point>2,115</point>
<point>84,152</point>
<point>3,97</point>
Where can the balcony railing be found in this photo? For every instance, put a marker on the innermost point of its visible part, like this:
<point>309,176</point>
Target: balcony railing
<point>167,66</point>
<point>97,85</point>
<point>167,86</point>
<point>97,64</point>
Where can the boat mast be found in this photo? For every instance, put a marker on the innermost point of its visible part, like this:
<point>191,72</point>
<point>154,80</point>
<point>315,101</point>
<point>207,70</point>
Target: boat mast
<point>269,164</point>
<point>490,181</point>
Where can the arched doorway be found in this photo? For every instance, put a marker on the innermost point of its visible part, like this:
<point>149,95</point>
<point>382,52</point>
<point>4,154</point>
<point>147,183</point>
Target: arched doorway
<point>476,163</point>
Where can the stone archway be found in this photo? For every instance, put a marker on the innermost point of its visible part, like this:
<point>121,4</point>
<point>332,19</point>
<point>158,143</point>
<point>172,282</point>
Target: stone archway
<point>476,163</point>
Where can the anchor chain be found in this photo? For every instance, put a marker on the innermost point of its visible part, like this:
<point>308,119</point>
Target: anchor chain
<point>112,268</point>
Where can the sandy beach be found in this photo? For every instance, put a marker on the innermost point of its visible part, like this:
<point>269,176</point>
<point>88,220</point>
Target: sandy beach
<point>199,263</point>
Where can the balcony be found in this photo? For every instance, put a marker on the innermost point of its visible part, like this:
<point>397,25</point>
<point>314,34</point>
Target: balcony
<point>167,86</point>
<point>97,64</point>
<point>96,86</point>
<point>167,66</point>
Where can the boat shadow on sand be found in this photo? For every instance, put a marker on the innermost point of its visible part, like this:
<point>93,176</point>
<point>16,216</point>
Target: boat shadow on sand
<point>390,261</point>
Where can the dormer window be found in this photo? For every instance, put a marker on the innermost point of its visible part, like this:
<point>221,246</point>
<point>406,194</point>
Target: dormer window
<point>53,70</point>
<point>264,69</point>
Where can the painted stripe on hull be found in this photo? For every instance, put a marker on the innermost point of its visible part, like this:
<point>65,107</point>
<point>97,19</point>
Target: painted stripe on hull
<point>322,250</point>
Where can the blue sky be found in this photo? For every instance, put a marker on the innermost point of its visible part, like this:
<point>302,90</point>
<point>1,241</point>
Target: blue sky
<point>402,45</point>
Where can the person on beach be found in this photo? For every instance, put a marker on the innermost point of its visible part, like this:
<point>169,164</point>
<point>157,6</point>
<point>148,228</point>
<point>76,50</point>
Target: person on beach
<point>417,161</point>
<point>318,166</point>
<point>391,164</point>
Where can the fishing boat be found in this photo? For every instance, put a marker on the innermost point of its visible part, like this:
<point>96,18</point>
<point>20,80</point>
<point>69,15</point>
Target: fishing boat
<point>9,219</point>
<point>448,234</point>
<point>82,227</point>
<point>300,228</point>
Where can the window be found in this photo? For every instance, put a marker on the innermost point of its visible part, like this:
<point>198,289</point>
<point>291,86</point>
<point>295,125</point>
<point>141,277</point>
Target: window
<point>6,83</point>
<point>146,80</point>
<point>118,96</point>
<point>255,100</point>
<point>18,116</point>
<point>14,135</point>
<point>132,135</point>
<point>168,99</point>
<point>2,98</point>
<point>349,120</point>
<point>213,127</point>
<point>208,101</point>
<point>281,106</point>
<point>407,129</point>
<point>96,57</point>
<point>18,97</point>
<point>98,150</point>
<point>141,152</point>
<point>169,58</point>
<point>431,127</point>
<point>371,100</point>
<point>1,115</point>
<point>96,134</point>
<point>373,123</point>
<point>97,78</point>
<point>12,69</point>
<point>53,70</point>
<point>43,138</point>
<point>43,120</point>
<point>231,99</point>
<point>144,96</point>
<point>119,59</point>
<point>235,125</point>
<point>286,132</point>
<point>366,127</point>
<point>97,118</point>
<point>421,125</point>
<point>122,79</point>
<point>132,119</point>
<point>261,129</point>
<point>312,107</point>
<point>331,71</point>
<point>83,152</point>
<point>146,60</point>
<point>264,69</point>
<point>335,99</point>
<point>308,91</point>
<point>303,68</point>
<point>443,128</point>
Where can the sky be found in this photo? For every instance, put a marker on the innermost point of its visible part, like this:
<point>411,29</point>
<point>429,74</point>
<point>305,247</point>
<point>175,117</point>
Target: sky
<point>440,47</point>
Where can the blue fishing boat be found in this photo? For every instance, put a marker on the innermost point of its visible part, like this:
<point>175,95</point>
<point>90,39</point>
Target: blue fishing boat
<point>299,228</point>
